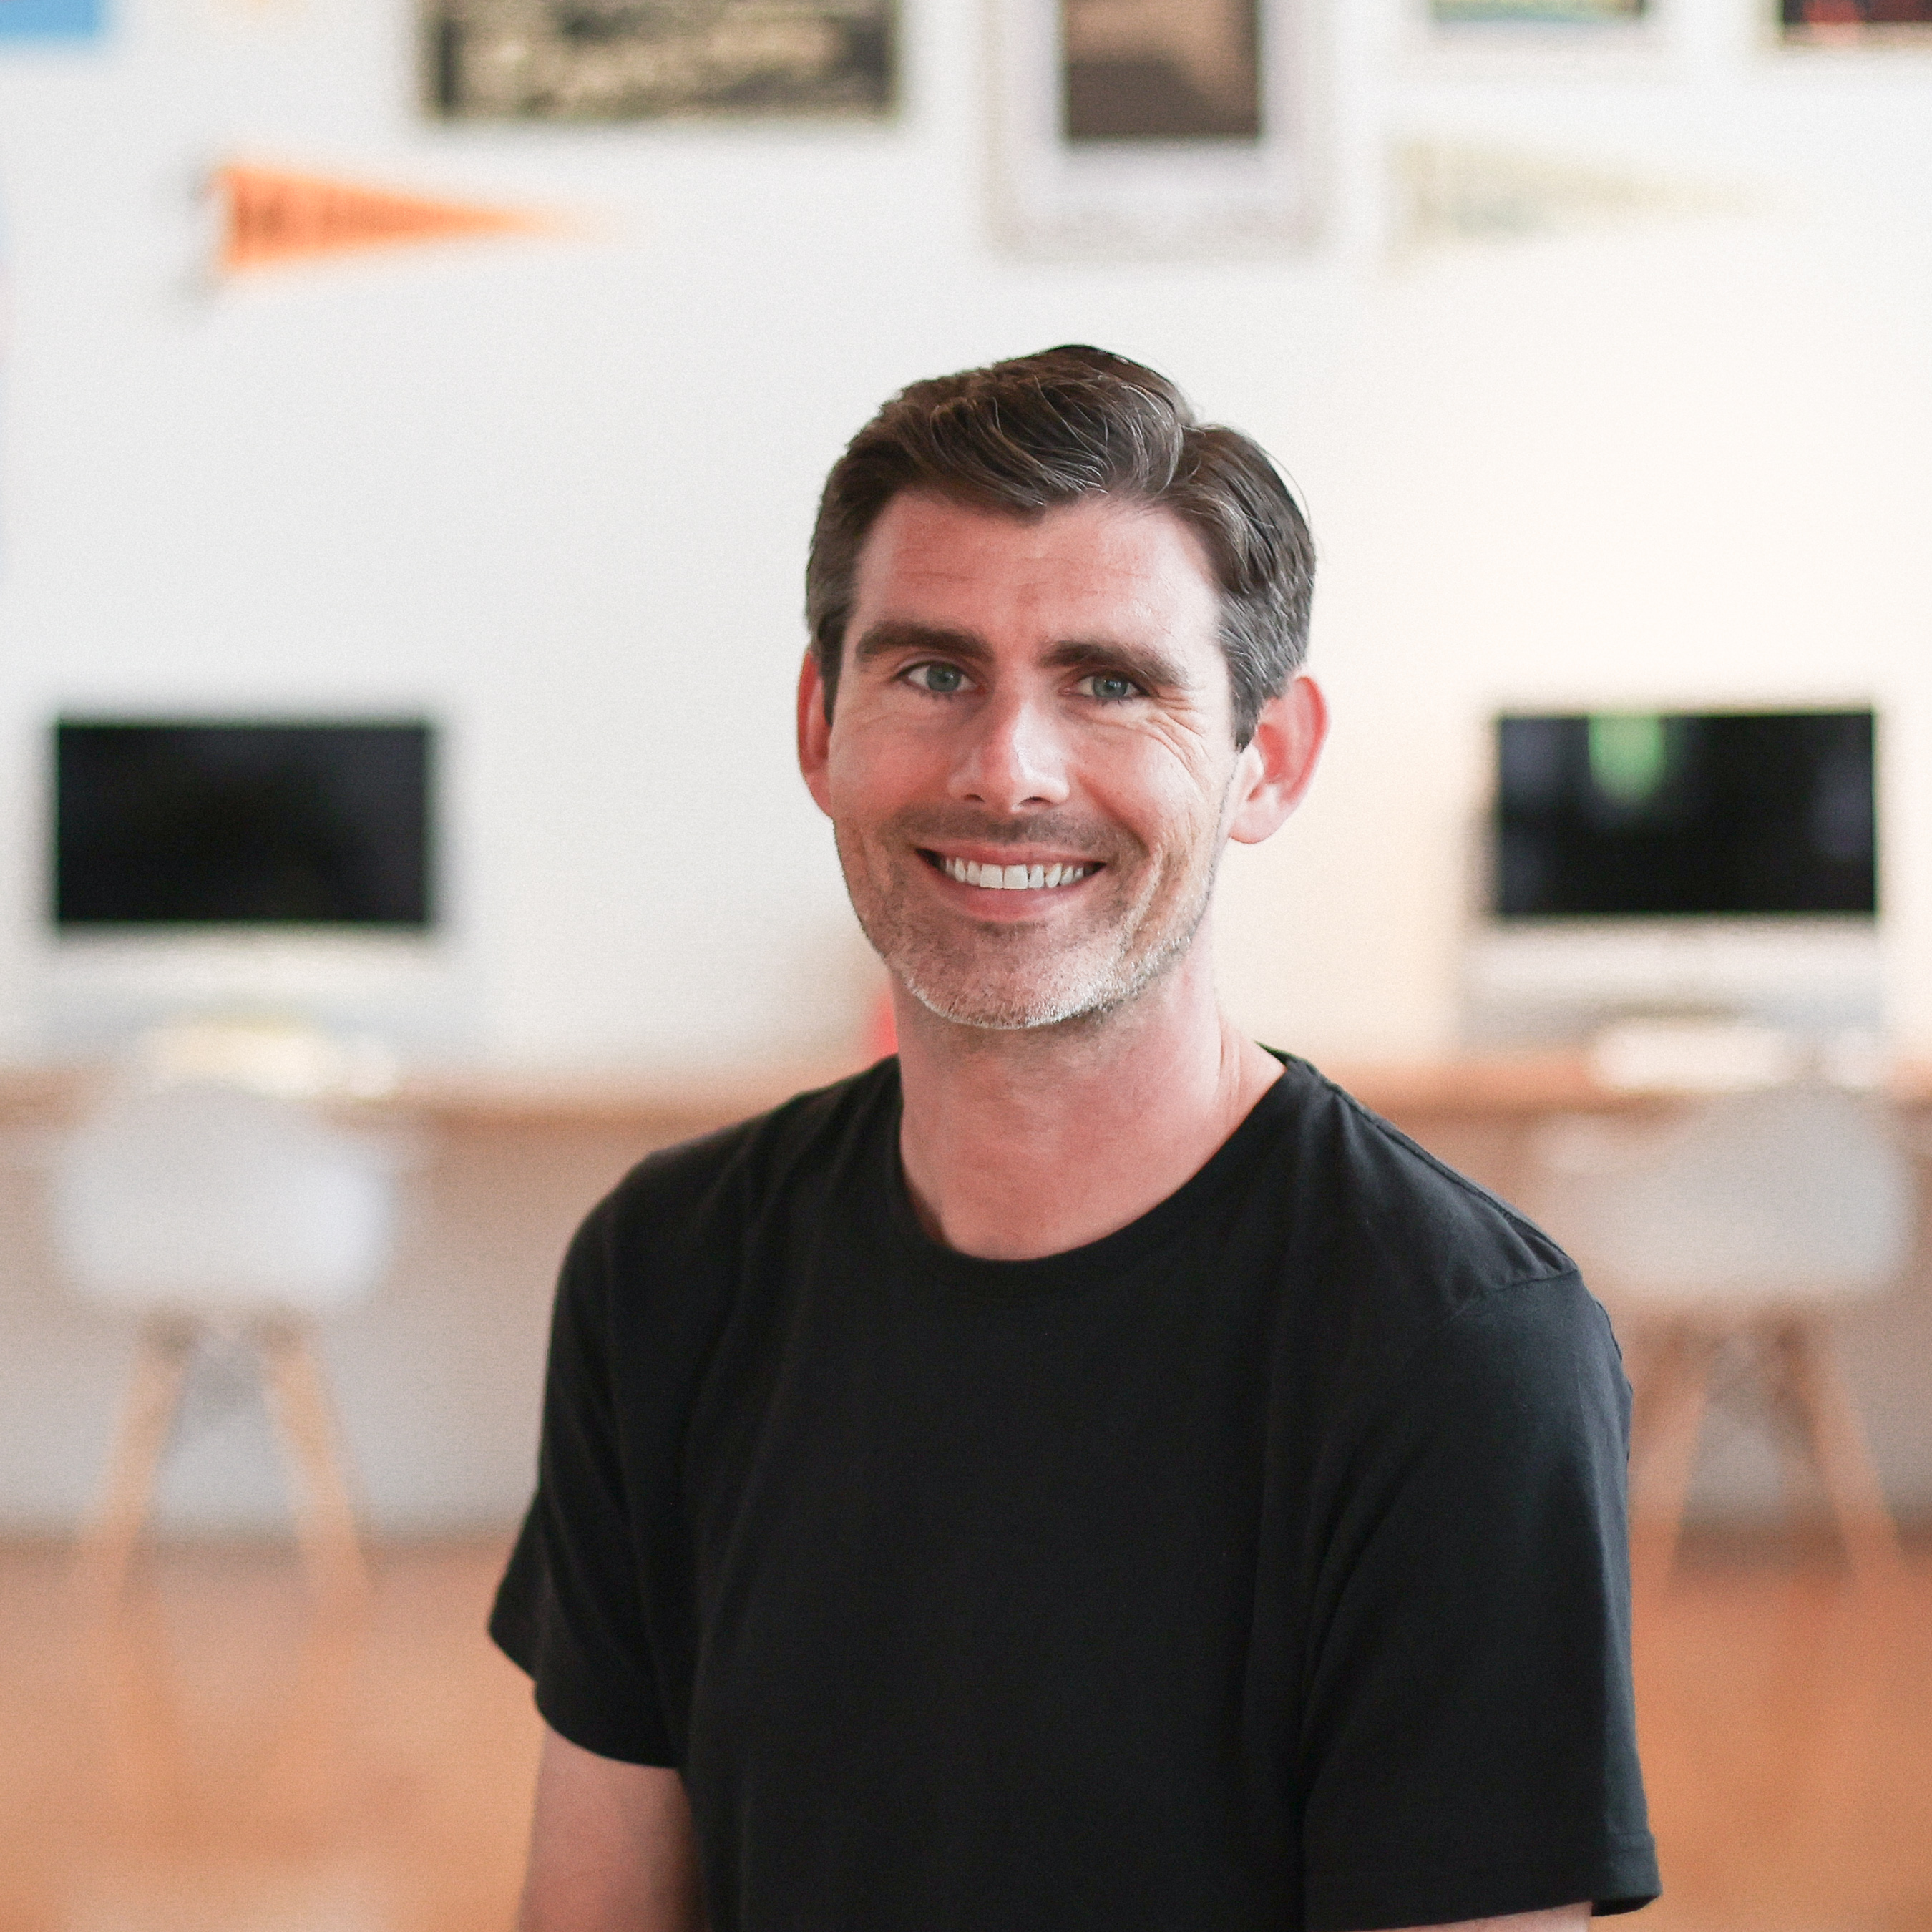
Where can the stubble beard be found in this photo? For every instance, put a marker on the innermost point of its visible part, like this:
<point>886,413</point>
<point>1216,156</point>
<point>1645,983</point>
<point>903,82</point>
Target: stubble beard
<point>1040,988</point>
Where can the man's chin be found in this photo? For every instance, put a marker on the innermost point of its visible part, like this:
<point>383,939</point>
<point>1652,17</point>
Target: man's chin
<point>1013,980</point>
<point>1000,1003</point>
<point>1004,1016</point>
<point>990,999</point>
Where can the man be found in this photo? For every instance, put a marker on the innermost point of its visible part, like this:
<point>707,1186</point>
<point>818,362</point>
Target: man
<point>1085,1472</point>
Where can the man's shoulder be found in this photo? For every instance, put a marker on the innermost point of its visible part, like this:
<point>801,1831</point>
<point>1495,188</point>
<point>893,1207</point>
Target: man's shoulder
<point>1397,1227</point>
<point>1421,1293</point>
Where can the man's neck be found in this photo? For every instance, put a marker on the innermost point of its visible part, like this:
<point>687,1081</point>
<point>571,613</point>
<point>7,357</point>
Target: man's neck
<point>1022,1144</point>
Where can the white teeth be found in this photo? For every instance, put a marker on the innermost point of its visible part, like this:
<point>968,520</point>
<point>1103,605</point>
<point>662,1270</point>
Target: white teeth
<point>1012,878</point>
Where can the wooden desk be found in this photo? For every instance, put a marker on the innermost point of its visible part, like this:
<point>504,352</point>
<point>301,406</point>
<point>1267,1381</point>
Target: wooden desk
<point>1497,1089</point>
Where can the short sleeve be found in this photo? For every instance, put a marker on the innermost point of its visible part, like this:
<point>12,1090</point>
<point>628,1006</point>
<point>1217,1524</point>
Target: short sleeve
<point>1469,1749</point>
<point>570,1609</point>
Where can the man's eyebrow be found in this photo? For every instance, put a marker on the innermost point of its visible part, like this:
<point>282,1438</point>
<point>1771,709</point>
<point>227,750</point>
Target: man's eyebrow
<point>885,638</point>
<point>1147,664</point>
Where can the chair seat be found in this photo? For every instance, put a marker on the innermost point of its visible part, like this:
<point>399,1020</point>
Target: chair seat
<point>1794,1195</point>
<point>197,1204</point>
<point>206,1198</point>
<point>1736,1225</point>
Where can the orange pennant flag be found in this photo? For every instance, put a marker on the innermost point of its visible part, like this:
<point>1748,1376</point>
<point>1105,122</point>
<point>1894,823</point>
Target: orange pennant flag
<point>270,217</point>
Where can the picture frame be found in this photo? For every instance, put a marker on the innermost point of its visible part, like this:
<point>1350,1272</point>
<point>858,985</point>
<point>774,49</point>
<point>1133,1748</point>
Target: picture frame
<point>1155,129</point>
<point>1862,25</point>
<point>601,61</point>
<point>1612,14</point>
<point>1524,39</point>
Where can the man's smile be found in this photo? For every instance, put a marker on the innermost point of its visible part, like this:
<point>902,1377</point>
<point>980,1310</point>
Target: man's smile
<point>992,876</point>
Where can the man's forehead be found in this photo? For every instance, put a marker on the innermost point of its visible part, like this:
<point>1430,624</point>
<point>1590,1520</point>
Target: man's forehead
<point>1113,556</point>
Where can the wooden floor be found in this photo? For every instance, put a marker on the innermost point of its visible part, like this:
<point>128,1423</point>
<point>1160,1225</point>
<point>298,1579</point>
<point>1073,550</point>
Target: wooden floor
<point>217,1759</point>
<point>1786,1725</point>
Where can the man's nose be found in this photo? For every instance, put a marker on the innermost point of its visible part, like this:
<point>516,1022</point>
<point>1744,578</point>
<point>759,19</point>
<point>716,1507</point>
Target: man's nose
<point>1015,758</point>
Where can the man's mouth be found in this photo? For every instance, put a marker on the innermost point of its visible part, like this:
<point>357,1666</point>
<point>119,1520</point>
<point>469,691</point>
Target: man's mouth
<point>1011,878</point>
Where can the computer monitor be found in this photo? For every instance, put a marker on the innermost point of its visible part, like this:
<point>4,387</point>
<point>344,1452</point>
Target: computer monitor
<point>1620,814</point>
<point>188,824</point>
<point>1652,863</point>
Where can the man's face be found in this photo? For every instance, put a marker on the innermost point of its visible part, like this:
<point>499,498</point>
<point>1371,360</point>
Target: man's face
<point>1044,701</point>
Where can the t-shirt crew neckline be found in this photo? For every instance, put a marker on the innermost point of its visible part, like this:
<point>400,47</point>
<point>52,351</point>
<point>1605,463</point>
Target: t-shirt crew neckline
<point>1106,1259</point>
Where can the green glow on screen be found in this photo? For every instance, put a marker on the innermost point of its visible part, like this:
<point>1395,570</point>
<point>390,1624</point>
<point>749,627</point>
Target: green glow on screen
<point>1629,758</point>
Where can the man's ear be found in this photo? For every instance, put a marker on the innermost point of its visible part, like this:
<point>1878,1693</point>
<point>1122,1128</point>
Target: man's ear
<point>815,733</point>
<point>1279,762</point>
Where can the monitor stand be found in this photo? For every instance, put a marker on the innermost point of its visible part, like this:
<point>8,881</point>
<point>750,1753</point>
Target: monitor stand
<point>95,993</point>
<point>1546,982</point>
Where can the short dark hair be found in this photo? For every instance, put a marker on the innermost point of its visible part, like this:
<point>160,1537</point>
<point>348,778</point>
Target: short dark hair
<point>1029,435</point>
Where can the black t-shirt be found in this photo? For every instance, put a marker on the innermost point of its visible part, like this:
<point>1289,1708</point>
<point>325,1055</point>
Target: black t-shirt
<point>1259,1565</point>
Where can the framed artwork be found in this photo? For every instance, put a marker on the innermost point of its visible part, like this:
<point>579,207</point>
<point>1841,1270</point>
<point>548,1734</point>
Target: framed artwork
<point>627,60</point>
<point>1154,127</point>
<point>1544,12</point>
<point>1517,38</point>
<point>1856,22</point>
<point>1175,73</point>
<point>50,20</point>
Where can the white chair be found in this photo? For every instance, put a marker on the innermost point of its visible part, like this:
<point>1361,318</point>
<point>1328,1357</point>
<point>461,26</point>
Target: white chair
<point>205,1208</point>
<point>1726,1236</point>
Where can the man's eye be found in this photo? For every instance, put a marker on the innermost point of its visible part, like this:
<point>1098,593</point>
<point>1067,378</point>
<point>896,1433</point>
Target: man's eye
<point>1109,687</point>
<point>941,679</point>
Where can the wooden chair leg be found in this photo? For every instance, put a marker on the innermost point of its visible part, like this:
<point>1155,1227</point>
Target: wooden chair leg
<point>1850,1477</point>
<point>1651,1351</point>
<point>325,1516</point>
<point>1664,1457</point>
<point>1787,1401</point>
<point>161,1360</point>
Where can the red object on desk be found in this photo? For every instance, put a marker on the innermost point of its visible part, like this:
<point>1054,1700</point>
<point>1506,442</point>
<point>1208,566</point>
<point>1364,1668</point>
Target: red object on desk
<point>882,1032</point>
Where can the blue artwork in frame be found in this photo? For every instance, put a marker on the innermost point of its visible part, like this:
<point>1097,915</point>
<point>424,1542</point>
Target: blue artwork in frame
<point>50,20</point>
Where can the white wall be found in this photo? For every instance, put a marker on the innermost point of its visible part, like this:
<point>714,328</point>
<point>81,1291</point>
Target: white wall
<point>557,490</point>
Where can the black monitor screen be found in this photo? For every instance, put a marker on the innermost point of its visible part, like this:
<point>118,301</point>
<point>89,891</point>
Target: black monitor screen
<point>195,824</point>
<point>1643,813</point>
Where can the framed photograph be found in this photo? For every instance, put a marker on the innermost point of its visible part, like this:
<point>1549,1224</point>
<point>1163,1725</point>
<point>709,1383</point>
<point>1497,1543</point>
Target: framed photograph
<point>1860,23</point>
<point>627,60</point>
<point>1154,127</point>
